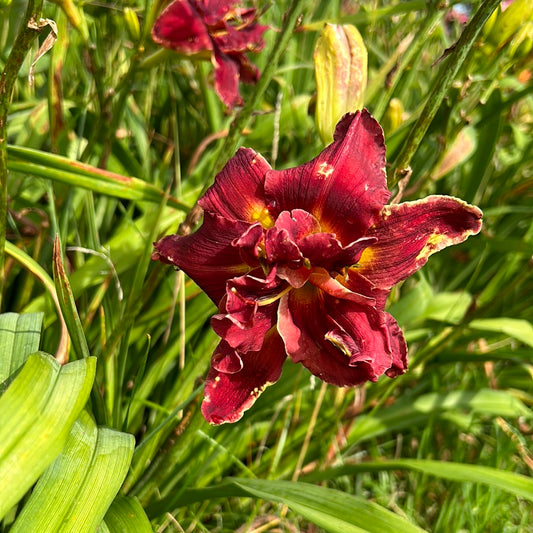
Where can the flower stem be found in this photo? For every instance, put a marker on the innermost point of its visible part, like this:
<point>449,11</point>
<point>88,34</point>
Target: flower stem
<point>457,56</point>
<point>29,29</point>
<point>243,116</point>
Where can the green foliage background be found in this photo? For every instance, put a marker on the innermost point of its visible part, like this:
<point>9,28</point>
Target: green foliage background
<point>445,447</point>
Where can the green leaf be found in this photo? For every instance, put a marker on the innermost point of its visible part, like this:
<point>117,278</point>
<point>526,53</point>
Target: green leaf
<point>126,515</point>
<point>330,509</point>
<point>37,412</point>
<point>521,486</point>
<point>68,305</point>
<point>409,413</point>
<point>75,492</point>
<point>519,329</point>
<point>19,337</point>
<point>77,174</point>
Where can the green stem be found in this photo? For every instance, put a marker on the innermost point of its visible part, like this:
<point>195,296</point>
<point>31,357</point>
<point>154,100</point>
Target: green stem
<point>243,116</point>
<point>449,70</point>
<point>29,29</point>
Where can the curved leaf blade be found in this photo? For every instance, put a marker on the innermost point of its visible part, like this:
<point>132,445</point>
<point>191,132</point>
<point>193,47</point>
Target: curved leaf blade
<point>37,412</point>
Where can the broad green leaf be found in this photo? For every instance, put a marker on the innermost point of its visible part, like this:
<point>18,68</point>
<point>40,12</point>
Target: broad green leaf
<point>19,337</point>
<point>79,486</point>
<point>521,486</point>
<point>448,307</point>
<point>126,515</point>
<point>37,412</point>
<point>519,329</point>
<point>333,510</point>
<point>408,413</point>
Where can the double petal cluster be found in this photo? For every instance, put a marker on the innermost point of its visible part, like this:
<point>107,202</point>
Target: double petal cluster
<point>301,261</point>
<point>218,30</point>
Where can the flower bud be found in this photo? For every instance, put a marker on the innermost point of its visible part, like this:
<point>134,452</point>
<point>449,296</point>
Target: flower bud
<point>132,24</point>
<point>393,117</point>
<point>340,59</point>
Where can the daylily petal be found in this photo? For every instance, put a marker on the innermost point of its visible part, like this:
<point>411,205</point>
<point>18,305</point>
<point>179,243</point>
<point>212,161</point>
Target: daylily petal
<point>238,192</point>
<point>320,278</point>
<point>244,39</point>
<point>344,187</point>
<point>228,395</point>
<point>248,72</point>
<point>339,341</point>
<point>408,233</point>
<point>248,311</point>
<point>181,28</point>
<point>226,79</point>
<point>207,256</point>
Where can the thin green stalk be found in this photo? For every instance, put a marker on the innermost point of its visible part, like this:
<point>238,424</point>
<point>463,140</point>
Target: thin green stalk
<point>243,116</point>
<point>431,21</point>
<point>449,70</point>
<point>29,29</point>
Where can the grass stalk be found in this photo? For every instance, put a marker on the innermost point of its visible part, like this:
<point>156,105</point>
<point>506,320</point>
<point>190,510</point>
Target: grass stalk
<point>29,29</point>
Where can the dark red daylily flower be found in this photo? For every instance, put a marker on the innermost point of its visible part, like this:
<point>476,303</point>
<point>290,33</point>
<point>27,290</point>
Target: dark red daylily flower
<point>216,30</point>
<point>301,261</point>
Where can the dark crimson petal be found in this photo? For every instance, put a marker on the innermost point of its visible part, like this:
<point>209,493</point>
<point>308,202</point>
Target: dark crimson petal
<point>344,187</point>
<point>360,293</point>
<point>248,311</point>
<point>339,341</point>
<point>238,192</point>
<point>325,250</point>
<point>242,39</point>
<point>228,395</point>
<point>226,79</point>
<point>250,244</point>
<point>248,72</point>
<point>281,248</point>
<point>214,11</point>
<point>207,256</point>
<point>398,348</point>
<point>409,233</point>
<point>181,28</point>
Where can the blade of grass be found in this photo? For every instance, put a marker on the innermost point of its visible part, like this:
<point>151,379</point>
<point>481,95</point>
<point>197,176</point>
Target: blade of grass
<point>77,174</point>
<point>68,305</point>
<point>518,484</point>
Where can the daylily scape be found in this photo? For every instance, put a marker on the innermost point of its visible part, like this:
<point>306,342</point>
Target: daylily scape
<point>300,263</point>
<point>217,30</point>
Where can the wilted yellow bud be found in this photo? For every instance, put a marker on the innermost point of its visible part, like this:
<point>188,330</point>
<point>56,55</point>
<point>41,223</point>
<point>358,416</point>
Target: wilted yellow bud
<point>132,24</point>
<point>341,72</point>
<point>393,117</point>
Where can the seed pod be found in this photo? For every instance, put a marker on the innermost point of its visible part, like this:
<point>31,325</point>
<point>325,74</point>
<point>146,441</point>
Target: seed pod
<point>393,117</point>
<point>340,59</point>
